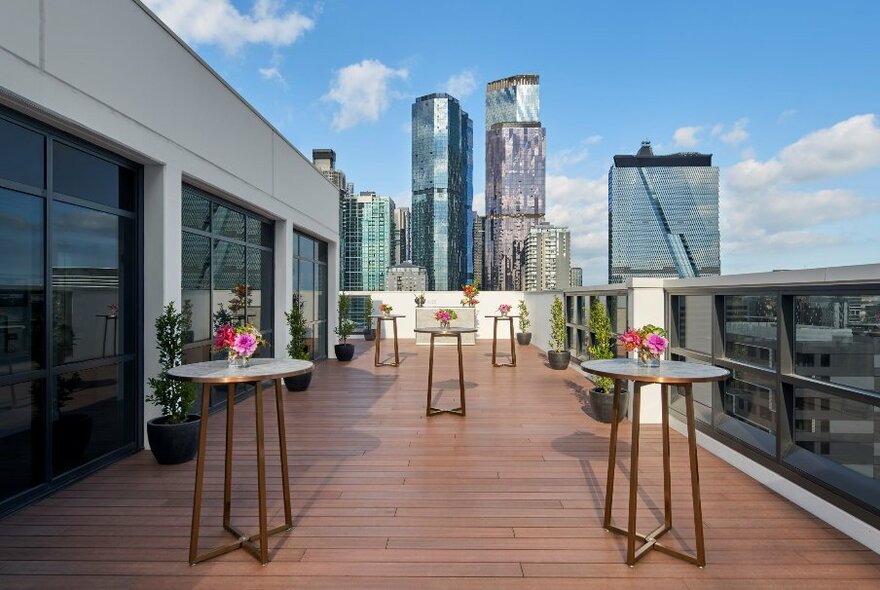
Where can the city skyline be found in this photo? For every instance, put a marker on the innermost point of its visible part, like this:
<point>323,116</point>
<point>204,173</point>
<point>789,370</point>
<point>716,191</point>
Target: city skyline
<point>796,137</point>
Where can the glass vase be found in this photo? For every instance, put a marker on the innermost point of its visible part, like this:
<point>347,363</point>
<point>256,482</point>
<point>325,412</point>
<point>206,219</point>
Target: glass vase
<point>444,325</point>
<point>647,359</point>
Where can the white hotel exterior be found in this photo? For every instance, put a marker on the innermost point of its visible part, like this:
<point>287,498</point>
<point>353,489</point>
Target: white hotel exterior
<point>109,79</point>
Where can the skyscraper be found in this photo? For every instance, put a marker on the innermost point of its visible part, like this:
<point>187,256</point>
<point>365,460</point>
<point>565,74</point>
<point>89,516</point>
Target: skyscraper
<point>662,216</point>
<point>515,177</point>
<point>478,243</point>
<point>350,272</point>
<point>376,215</point>
<point>442,189</point>
<point>402,235</point>
<point>576,278</point>
<point>325,161</point>
<point>548,258</point>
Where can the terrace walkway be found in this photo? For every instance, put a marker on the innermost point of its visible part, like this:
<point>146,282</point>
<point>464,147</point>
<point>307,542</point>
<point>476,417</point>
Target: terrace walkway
<point>508,497</point>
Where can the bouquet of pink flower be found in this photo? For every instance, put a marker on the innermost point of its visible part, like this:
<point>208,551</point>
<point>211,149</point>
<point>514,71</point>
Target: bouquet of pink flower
<point>385,308</point>
<point>444,316</point>
<point>504,308</point>
<point>470,293</point>
<point>240,342</point>
<point>649,341</point>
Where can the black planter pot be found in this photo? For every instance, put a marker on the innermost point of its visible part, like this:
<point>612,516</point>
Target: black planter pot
<point>344,352</point>
<point>524,338</point>
<point>603,405</point>
<point>298,382</point>
<point>369,335</point>
<point>173,443</point>
<point>559,360</point>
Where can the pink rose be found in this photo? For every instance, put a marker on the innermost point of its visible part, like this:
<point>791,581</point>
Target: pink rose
<point>631,340</point>
<point>245,344</point>
<point>655,344</point>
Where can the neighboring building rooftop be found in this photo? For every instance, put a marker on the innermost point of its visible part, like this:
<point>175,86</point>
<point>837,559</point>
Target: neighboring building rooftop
<point>645,158</point>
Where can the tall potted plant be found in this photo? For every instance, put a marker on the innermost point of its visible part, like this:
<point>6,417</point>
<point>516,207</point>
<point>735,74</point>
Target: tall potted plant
<point>557,355</point>
<point>523,337</point>
<point>602,395</point>
<point>173,436</point>
<point>344,328</point>
<point>296,347</point>
<point>369,333</point>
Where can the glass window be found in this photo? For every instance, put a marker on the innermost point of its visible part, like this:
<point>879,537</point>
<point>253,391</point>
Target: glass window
<point>24,155</point>
<point>90,317</point>
<point>196,211</point>
<point>749,402</point>
<point>196,283</point>
<point>837,339</point>
<point>750,329</point>
<point>229,223</point>
<point>22,290</point>
<point>22,437</point>
<point>91,414</point>
<point>692,315</point>
<point>306,247</point>
<point>703,393</point>
<point>80,174</point>
<point>836,440</point>
<point>310,282</point>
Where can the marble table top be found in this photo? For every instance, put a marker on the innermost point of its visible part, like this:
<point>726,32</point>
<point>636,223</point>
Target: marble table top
<point>390,316</point>
<point>221,372</point>
<point>667,372</point>
<point>502,317</point>
<point>439,330</point>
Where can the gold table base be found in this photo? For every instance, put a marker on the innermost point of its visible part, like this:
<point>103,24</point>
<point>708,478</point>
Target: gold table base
<point>650,540</point>
<point>256,544</point>
<point>512,362</point>
<point>431,410</point>
<point>396,360</point>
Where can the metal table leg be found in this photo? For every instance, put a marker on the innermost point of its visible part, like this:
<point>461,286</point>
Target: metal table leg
<point>432,411</point>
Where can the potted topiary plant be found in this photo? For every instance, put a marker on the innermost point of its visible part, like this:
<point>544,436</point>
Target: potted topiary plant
<point>602,395</point>
<point>523,337</point>
<point>369,333</point>
<point>344,351</point>
<point>296,347</point>
<point>557,355</point>
<point>173,436</point>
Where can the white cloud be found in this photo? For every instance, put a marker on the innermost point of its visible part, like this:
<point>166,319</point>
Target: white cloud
<point>461,85</point>
<point>736,135</point>
<point>219,22</point>
<point>273,72</point>
<point>362,93</point>
<point>480,203</point>
<point>785,115</point>
<point>581,204</point>
<point>562,159</point>
<point>760,208</point>
<point>686,136</point>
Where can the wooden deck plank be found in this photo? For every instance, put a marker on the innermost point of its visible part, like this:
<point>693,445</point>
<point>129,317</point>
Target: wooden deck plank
<point>510,496</point>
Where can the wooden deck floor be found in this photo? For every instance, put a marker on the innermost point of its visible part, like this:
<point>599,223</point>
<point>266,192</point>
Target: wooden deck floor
<point>509,497</point>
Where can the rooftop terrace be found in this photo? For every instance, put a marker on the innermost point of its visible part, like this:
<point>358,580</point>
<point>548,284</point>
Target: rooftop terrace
<point>508,497</point>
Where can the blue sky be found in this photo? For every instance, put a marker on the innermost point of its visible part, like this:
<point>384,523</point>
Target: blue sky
<point>784,94</point>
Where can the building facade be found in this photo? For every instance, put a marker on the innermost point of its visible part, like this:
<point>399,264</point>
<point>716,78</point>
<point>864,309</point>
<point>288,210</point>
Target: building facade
<point>406,277</point>
<point>515,177</point>
<point>111,207</point>
<point>376,221</point>
<point>442,190</point>
<point>548,258</point>
<point>576,278</point>
<point>402,232</point>
<point>663,216</point>
<point>479,246</point>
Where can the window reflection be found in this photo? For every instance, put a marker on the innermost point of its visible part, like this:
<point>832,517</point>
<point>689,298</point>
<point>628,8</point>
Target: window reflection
<point>310,282</point>
<point>750,329</point>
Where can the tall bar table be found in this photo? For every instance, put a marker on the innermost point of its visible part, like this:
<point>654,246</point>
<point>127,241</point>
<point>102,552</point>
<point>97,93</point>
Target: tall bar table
<point>219,372</point>
<point>379,319</point>
<point>439,332</point>
<point>668,373</point>
<point>509,319</point>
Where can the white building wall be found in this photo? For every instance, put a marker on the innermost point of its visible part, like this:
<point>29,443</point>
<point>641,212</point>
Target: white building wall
<point>109,72</point>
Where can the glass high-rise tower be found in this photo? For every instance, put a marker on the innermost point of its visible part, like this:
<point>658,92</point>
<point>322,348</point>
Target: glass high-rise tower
<point>442,190</point>
<point>515,177</point>
<point>662,216</point>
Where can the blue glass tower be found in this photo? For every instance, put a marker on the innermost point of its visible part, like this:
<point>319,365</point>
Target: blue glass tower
<point>442,190</point>
<point>663,216</point>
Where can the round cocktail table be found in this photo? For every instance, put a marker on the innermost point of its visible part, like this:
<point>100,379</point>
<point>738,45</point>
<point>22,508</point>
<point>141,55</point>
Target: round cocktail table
<point>502,318</point>
<point>438,332</point>
<point>379,319</point>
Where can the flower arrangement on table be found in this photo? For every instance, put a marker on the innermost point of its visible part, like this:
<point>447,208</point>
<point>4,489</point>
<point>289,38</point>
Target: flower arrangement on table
<point>504,309</point>
<point>649,342</point>
<point>470,293</point>
<point>112,310</point>
<point>444,316</point>
<point>239,342</point>
<point>386,308</point>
